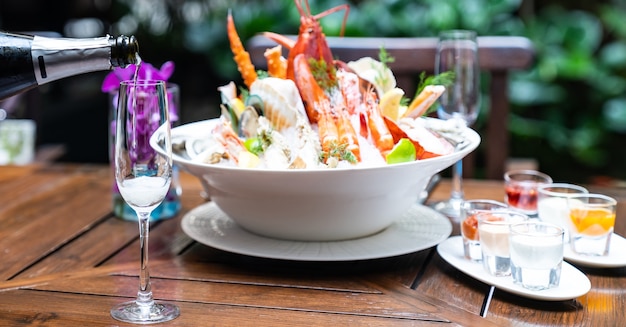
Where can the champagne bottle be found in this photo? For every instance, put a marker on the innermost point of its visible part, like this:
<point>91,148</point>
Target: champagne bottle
<point>28,61</point>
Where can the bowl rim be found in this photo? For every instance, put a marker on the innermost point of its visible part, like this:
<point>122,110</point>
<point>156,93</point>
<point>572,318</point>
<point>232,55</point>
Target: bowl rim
<point>470,133</point>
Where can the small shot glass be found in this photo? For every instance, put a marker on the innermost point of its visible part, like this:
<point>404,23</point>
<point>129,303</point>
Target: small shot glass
<point>469,225</point>
<point>592,219</point>
<point>493,230</point>
<point>536,254</point>
<point>552,203</point>
<point>520,187</point>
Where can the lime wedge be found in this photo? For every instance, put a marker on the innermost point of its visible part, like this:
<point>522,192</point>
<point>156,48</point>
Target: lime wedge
<point>254,145</point>
<point>403,151</point>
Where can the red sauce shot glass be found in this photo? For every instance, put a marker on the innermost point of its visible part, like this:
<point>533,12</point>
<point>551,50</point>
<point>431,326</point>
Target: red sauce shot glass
<point>520,188</point>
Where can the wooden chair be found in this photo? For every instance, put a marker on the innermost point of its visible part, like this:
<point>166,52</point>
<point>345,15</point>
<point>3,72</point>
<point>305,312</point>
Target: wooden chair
<point>498,55</point>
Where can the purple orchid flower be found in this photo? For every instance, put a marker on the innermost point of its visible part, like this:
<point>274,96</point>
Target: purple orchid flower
<point>147,71</point>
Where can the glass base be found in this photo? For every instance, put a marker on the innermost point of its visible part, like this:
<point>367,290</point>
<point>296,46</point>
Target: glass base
<point>450,208</point>
<point>144,314</point>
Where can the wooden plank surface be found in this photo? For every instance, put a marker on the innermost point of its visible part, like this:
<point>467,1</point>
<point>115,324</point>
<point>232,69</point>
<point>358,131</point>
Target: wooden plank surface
<point>93,311</point>
<point>47,210</point>
<point>84,260</point>
<point>359,297</point>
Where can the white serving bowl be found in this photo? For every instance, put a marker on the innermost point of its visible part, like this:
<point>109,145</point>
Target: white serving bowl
<point>314,205</point>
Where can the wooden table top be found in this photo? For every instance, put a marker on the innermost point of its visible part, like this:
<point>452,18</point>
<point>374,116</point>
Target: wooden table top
<point>66,260</point>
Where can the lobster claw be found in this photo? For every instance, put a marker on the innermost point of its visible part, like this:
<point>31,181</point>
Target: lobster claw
<point>310,91</point>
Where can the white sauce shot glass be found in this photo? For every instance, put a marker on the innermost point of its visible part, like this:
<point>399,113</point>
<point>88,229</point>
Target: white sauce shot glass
<point>536,250</point>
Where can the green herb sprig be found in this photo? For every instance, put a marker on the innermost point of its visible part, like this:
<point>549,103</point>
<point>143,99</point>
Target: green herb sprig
<point>323,74</point>
<point>339,151</point>
<point>446,79</point>
<point>261,74</point>
<point>385,58</point>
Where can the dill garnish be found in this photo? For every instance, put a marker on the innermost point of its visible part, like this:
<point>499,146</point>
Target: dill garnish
<point>262,74</point>
<point>265,138</point>
<point>384,58</point>
<point>323,74</point>
<point>339,151</point>
<point>446,79</point>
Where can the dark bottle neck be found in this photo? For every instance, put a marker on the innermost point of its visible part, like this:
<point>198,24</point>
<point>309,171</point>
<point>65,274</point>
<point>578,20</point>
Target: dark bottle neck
<point>124,51</point>
<point>57,58</point>
<point>27,61</point>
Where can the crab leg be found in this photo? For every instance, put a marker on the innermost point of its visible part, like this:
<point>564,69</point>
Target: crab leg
<point>381,136</point>
<point>241,56</point>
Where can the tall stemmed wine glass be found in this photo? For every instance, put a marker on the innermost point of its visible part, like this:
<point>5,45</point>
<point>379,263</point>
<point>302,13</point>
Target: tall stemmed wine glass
<point>143,178</point>
<point>457,52</point>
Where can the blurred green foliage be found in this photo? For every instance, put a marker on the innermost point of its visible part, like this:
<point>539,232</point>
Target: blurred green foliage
<point>568,110</point>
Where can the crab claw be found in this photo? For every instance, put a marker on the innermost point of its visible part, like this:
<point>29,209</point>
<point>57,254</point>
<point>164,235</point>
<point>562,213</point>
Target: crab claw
<point>427,144</point>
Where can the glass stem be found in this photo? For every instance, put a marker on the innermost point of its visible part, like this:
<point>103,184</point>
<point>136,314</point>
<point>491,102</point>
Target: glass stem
<point>144,296</point>
<point>457,182</point>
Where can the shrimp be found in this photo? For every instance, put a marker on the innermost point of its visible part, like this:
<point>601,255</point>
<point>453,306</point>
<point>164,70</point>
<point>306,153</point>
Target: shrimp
<point>327,129</point>
<point>336,133</point>
<point>347,134</point>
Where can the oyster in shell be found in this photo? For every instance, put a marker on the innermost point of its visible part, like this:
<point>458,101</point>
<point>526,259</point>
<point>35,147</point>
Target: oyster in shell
<point>282,104</point>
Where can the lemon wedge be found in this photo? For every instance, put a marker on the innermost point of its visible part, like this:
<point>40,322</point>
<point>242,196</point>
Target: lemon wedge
<point>247,160</point>
<point>237,106</point>
<point>390,103</point>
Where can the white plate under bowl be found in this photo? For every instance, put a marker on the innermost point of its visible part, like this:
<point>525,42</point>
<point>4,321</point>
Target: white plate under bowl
<point>616,257</point>
<point>418,229</point>
<point>572,285</point>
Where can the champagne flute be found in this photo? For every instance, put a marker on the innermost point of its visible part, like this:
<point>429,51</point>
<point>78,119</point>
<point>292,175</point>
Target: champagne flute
<point>143,178</point>
<point>457,52</point>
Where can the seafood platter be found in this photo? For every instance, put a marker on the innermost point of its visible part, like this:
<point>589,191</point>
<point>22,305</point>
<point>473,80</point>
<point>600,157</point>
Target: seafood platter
<point>316,149</point>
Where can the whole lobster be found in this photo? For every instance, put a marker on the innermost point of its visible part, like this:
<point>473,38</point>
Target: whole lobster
<point>311,41</point>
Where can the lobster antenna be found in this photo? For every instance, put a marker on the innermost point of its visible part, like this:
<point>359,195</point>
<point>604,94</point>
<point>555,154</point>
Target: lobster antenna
<point>301,10</point>
<point>324,13</point>
<point>327,12</point>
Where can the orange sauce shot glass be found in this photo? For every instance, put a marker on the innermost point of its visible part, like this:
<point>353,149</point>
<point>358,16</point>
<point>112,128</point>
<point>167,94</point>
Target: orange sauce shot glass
<point>592,219</point>
<point>469,225</point>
